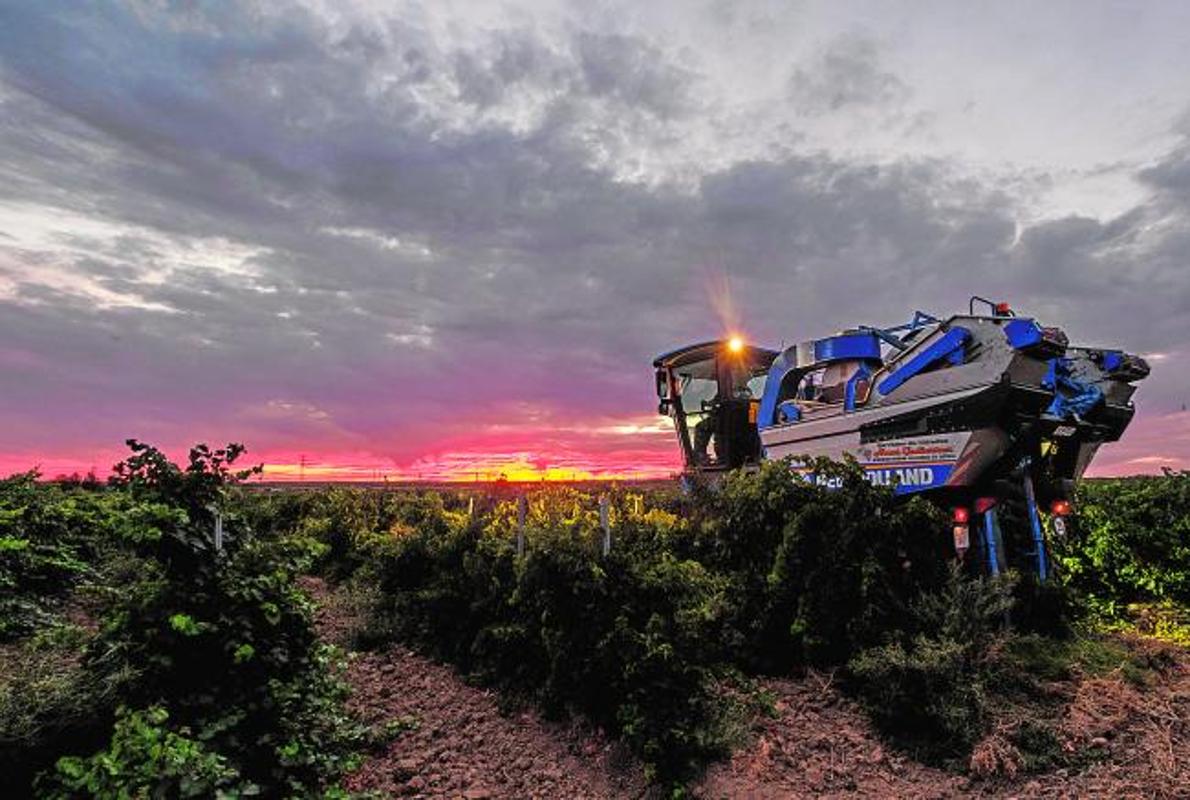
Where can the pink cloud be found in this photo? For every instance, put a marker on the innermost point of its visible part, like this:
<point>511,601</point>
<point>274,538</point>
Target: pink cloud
<point>1149,444</point>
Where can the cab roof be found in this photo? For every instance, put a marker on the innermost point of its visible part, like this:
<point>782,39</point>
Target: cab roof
<point>693,353</point>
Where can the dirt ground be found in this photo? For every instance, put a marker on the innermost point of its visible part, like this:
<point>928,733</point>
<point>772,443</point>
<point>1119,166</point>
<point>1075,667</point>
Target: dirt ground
<point>460,745</point>
<point>821,745</point>
<point>455,742</point>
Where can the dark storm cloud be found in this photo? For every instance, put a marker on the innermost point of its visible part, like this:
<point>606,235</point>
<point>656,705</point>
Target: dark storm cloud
<point>1125,279</point>
<point>620,68</point>
<point>420,237</point>
<point>1171,175</point>
<point>847,73</point>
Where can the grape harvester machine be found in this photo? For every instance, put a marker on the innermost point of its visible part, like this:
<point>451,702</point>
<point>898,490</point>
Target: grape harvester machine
<point>980,412</point>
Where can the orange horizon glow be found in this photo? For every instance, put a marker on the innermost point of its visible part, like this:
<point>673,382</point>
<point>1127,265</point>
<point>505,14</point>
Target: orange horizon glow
<point>484,471</point>
<point>481,468</point>
<point>638,447</point>
<point>628,449</point>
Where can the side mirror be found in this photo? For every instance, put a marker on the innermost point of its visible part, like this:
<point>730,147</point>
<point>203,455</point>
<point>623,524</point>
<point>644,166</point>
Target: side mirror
<point>663,385</point>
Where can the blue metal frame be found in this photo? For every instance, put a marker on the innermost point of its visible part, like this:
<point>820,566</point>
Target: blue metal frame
<point>863,373</point>
<point>949,347</point>
<point>991,536</point>
<point>766,415</point>
<point>1035,523</point>
<point>863,347</point>
<point>919,321</point>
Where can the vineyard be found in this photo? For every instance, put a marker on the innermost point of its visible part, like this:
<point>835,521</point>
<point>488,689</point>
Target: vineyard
<point>174,632</point>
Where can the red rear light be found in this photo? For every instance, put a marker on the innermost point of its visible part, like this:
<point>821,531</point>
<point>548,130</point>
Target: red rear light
<point>962,533</point>
<point>1060,508</point>
<point>1003,310</point>
<point>983,504</point>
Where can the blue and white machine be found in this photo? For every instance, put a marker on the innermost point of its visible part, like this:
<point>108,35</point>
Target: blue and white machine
<point>976,410</point>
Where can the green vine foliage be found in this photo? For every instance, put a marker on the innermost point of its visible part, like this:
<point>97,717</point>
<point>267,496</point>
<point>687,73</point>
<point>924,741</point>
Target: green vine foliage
<point>145,759</point>
<point>816,573</point>
<point>769,571</point>
<point>47,541</point>
<point>138,658</point>
<point>222,637</point>
<point>928,685</point>
<point>1131,542</point>
<point>621,639</point>
<point>209,645</point>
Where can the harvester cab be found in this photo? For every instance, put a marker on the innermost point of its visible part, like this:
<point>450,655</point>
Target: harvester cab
<point>712,391</point>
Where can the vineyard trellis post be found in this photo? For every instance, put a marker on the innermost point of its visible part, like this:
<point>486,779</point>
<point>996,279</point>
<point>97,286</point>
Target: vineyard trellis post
<point>522,509</point>
<point>217,514</point>
<point>605,523</point>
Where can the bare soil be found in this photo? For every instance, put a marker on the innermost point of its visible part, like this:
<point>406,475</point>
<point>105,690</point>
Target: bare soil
<point>461,745</point>
<point>455,741</point>
<point>1135,742</point>
<point>820,745</point>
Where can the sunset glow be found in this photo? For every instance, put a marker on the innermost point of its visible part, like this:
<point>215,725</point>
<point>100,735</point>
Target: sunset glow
<point>632,448</point>
<point>470,467</point>
<point>626,452</point>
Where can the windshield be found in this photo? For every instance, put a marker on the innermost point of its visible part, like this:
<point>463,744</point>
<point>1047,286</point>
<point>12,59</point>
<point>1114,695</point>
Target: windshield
<point>756,385</point>
<point>696,391</point>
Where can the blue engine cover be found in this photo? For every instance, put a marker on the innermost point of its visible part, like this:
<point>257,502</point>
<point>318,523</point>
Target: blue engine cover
<point>1022,333</point>
<point>848,347</point>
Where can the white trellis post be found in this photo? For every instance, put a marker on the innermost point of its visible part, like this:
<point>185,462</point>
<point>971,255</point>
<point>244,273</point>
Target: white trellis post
<point>218,531</point>
<point>605,523</point>
<point>522,509</point>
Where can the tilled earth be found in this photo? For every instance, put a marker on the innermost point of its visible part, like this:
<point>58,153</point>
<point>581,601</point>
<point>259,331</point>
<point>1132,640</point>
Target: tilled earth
<point>819,745</point>
<point>452,740</point>
<point>460,745</point>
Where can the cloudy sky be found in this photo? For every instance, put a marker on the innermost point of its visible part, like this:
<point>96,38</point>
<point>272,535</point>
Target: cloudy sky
<point>444,237</point>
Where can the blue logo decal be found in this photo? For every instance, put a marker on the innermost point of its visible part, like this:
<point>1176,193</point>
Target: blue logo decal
<point>907,479</point>
<point>910,479</point>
